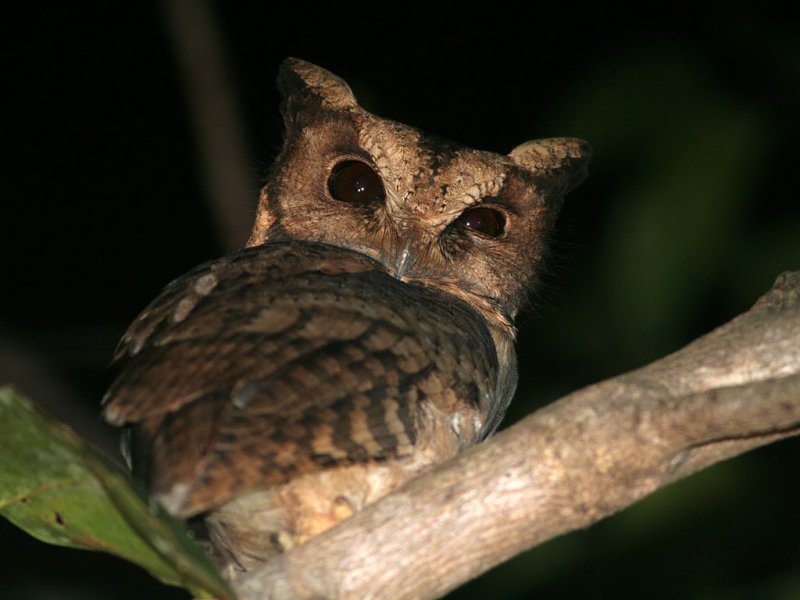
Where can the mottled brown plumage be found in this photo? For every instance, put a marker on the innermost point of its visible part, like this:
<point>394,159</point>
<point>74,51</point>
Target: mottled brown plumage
<point>366,335</point>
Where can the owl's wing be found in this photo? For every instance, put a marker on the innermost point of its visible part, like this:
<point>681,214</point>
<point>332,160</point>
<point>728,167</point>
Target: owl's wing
<point>290,358</point>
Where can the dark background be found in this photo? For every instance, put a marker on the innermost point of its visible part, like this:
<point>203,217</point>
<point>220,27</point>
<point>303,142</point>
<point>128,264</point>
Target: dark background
<point>689,214</point>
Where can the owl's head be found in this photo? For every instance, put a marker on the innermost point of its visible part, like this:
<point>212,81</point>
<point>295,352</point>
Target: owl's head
<point>473,224</point>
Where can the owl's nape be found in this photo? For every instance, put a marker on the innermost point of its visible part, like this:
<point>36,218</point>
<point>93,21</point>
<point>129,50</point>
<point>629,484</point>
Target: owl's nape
<point>364,336</point>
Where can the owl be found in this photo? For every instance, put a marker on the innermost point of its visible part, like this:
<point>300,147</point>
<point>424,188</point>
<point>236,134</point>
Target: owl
<point>364,335</point>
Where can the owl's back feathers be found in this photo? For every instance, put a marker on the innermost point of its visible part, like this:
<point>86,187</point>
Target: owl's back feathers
<point>294,357</point>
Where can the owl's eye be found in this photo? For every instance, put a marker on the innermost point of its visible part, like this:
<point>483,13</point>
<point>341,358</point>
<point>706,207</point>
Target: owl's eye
<point>355,182</point>
<point>484,221</point>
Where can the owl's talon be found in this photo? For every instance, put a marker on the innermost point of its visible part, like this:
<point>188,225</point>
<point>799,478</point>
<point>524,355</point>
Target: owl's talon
<point>342,508</point>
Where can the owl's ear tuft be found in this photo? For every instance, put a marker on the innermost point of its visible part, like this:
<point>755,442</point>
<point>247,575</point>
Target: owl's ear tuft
<point>305,88</point>
<point>558,164</point>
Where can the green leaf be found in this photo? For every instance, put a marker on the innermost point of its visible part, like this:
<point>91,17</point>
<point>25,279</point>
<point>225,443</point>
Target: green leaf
<point>61,491</point>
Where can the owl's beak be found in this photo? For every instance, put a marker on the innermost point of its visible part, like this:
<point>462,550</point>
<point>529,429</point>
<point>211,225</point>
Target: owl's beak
<point>403,263</point>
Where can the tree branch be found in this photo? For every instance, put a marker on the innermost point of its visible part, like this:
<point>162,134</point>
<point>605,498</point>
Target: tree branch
<point>568,465</point>
<point>222,148</point>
